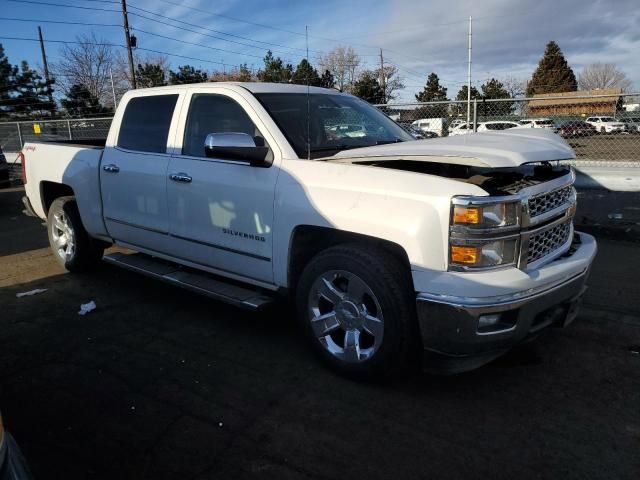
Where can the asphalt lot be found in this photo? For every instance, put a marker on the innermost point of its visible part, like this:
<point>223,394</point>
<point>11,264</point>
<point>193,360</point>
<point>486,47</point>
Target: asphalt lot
<point>160,383</point>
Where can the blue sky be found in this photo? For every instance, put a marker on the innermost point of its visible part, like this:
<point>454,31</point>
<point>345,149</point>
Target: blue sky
<point>418,37</point>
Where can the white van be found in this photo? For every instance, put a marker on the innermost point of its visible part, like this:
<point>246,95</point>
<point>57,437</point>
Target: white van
<point>434,125</point>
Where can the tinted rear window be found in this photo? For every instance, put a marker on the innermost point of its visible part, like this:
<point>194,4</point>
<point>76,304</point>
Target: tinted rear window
<point>145,124</point>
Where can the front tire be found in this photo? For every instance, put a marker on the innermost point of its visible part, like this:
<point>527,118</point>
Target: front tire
<point>72,246</point>
<point>357,308</point>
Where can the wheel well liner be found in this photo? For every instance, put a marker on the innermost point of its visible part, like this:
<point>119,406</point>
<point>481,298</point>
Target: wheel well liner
<point>49,191</point>
<point>309,240</point>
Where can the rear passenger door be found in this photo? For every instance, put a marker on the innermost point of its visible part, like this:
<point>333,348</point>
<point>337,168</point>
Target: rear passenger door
<point>133,172</point>
<point>222,216</point>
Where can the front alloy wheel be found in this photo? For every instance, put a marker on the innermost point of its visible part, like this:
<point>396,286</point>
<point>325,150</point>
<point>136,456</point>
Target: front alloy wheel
<point>345,316</point>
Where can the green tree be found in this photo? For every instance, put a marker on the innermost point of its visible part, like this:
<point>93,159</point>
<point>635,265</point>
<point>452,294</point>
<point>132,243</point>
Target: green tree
<point>150,75</point>
<point>244,74</point>
<point>553,74</point>
<point>460,108</point>
<point>368,88</point>
<point>79,102</point>
<point>494,89</point>
<point>305,74</point>
<point>432,92</point>
<point>8,74</point>
<point>275,69</point>
<point>32,94</point>
<point>327,80</point>
<point>187,74</point>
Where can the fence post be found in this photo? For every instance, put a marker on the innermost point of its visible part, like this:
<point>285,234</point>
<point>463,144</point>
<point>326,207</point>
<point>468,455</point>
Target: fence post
<point>475,114</point>
<point>19,135</point>
<point>69,129</point>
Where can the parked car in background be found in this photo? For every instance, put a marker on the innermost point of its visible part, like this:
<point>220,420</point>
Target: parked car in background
<point>631,125</point>
<point>434,125</point>
<point>4,171</point>
<point>491,126</point>
<point>456,123</point>
<point>12,463</point>
<point>538,123</point>
<point>606,124</point>
<point>576,128</point>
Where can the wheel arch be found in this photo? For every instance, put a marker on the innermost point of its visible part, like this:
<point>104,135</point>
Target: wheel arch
<point>309,240</point>
<point>49,191</point>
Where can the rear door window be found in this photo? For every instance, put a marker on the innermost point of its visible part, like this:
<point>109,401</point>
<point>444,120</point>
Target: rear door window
<point>145,123</point>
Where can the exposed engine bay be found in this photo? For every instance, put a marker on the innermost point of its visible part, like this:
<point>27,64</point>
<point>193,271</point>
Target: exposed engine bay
<point>496,181</point>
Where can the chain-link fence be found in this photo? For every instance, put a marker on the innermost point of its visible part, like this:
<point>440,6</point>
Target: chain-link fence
<point>13,135</point>
<point>598,127</point>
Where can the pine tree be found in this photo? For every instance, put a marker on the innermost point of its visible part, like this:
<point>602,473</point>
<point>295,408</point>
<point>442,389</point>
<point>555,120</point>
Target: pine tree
<point>432,92</point>
<point>79,102</point>
<point>327,80</point>
<point>32,94</point>
<point>553,75</point>
<point>187,74</point>
<point>495,89</point>
<point>8,75</point>
<point>150,75</point>
<point>368,88</point>
<point>305,74</point>
<point>275,69</point>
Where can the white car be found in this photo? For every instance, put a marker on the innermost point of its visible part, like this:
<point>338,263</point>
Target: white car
<point>452,247</point>
<point>631,124</point>
<point>456,123</point>
<point>538,123</point>
<point>492,126</point>
<point>606,124</point>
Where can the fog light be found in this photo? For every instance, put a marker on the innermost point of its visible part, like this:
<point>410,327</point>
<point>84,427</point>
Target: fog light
<point>488,322</point>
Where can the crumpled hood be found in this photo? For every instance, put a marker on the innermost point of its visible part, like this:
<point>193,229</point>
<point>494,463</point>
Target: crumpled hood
<point>507,148</point>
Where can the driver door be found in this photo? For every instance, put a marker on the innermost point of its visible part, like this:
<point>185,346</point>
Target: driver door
<point>220,210</point>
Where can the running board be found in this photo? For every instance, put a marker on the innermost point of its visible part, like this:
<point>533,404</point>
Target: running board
<point>189,279</point>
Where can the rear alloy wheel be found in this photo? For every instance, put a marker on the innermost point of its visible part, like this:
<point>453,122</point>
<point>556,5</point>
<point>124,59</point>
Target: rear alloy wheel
<point>356,305</point>
<point>72,246</point>
<point>603,130</point>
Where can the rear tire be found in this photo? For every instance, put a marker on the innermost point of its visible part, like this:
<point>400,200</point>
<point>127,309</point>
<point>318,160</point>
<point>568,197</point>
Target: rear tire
<point>72,246</point>
<point>356,306</point>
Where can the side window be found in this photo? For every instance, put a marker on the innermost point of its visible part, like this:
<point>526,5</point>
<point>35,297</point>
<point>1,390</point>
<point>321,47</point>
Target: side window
<point>145,123</point>
<point>210,113</point>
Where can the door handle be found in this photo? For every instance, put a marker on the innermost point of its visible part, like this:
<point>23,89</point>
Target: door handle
<point>180,177</point>
<point>111,168</point>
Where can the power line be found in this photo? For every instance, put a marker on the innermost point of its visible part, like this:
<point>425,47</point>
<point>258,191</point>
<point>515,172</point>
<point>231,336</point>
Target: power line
<point>62,22</point>
<point>209,29</point>
<point>51,4</point>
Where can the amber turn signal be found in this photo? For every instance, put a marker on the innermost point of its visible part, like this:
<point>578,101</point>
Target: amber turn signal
<point>466,215</point>
<point>466,255</point>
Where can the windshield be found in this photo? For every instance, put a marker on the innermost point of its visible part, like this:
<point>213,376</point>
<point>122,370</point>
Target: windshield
<point>545,122</point>
<point>336,123</point>
<point>608,119</point>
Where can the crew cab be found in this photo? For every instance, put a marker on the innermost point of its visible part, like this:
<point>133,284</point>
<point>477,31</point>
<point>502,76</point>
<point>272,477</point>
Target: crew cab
<point>459,248</point>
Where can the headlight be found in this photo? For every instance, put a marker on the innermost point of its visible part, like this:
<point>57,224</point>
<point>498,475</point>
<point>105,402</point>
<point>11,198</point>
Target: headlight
<point>468,254</point>
<point>482,233</point>
<point>485,216</point>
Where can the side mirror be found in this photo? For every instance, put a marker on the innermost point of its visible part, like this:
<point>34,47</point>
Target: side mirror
<point>236,146</point>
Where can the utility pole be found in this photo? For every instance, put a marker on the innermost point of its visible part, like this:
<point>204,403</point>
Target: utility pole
<point>468,78</point>
<point>46,68</point>
<point>113,91</point>
<point>127,35</point>
<point>383,81</point>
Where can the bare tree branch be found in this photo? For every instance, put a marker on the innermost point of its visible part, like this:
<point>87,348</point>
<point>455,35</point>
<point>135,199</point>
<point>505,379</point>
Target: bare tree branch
<point>603,75</point>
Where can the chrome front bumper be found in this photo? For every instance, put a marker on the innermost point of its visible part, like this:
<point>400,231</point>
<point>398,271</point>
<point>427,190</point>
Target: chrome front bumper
<point>454,341</point>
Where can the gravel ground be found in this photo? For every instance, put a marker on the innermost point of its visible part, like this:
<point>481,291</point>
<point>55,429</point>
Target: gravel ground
<point>160,383</point>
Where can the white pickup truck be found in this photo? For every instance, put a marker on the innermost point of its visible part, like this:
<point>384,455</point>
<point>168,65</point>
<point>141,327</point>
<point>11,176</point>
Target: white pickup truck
<point>457,248</point>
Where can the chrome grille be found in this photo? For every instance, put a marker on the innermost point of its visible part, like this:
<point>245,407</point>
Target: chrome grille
<point>545,202</point>
<point>547,241</point>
